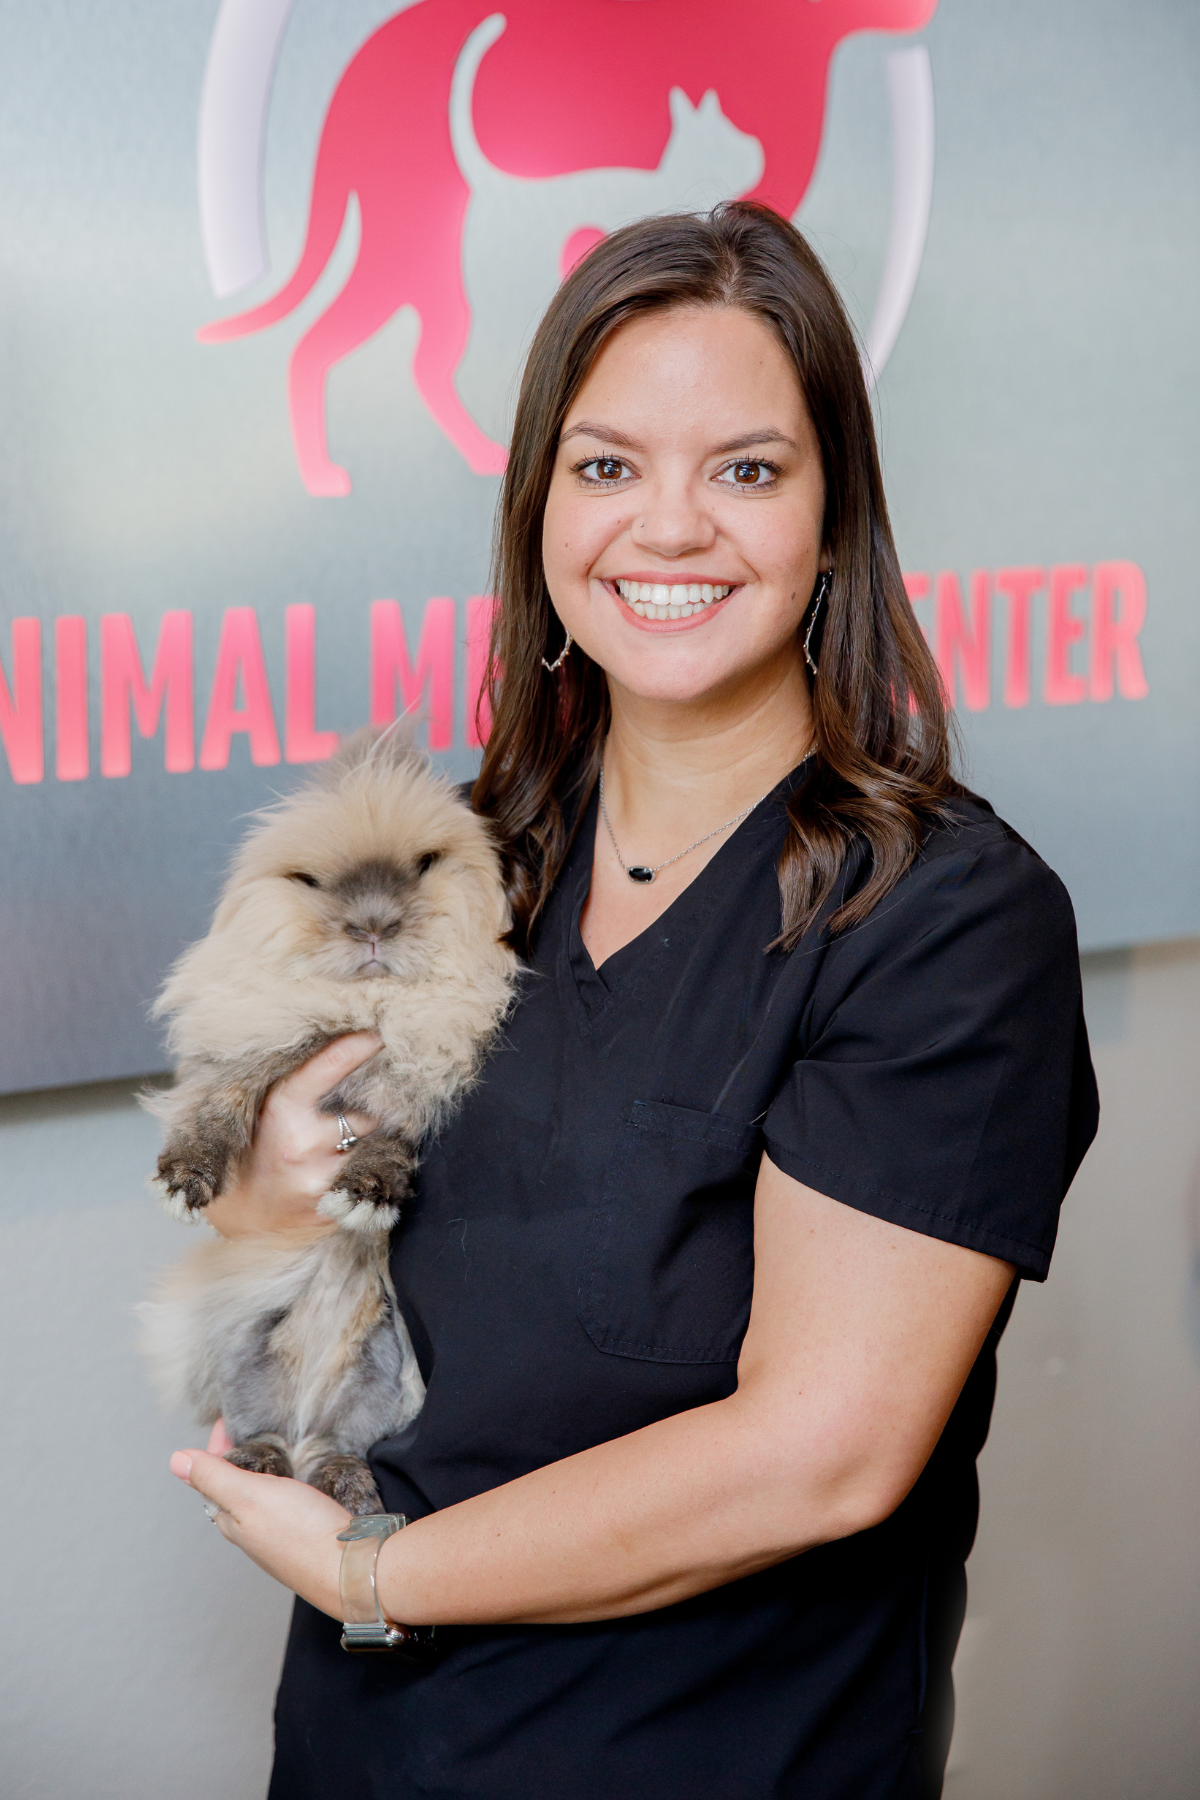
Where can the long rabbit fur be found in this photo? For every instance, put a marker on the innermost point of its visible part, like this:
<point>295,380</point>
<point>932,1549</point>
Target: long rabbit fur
<point>371,899</point>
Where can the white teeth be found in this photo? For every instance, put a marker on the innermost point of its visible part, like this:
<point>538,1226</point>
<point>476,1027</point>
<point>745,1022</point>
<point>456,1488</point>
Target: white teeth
<point>674,600</point>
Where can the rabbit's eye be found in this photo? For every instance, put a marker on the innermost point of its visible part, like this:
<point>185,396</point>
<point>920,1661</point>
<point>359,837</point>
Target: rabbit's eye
<point>308,880</point>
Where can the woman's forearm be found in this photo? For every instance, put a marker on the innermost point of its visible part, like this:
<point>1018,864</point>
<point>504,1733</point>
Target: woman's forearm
<point>682,1506</point>
<point>860,1338</point>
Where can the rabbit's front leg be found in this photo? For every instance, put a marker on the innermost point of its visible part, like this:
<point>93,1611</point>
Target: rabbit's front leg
<point>266,1454</point>
<point>211,1115</point>
<point>377,1172</point>
<point>378,1167</point>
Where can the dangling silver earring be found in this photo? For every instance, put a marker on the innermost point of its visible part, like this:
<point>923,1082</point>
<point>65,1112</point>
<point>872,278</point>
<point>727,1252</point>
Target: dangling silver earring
<point>560,659</point>
<point>814,610</point>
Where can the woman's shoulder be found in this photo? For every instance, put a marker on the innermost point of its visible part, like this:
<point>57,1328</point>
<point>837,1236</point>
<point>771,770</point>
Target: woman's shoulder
<point>974,884</point>
<point>971,850</point>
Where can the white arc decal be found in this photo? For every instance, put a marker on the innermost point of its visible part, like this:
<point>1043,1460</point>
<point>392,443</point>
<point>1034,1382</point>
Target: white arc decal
<point>910,84</point>
<point>233,126</point>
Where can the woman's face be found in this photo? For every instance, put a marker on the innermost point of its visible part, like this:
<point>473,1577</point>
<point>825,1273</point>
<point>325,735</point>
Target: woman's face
<point>682,532</point>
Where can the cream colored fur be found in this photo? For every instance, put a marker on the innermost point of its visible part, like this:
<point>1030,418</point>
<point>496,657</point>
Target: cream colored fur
<point>371,899</point>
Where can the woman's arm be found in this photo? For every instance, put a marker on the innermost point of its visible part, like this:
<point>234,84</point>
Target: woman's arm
<point>861,1336</point>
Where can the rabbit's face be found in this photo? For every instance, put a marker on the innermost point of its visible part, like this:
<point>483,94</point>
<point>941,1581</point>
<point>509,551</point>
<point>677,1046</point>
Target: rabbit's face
<point>374,870</point>
<point>361,920</point>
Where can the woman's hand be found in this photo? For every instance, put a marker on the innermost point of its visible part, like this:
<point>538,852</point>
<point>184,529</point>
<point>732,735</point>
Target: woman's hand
<point>293,1160</point>
<point>286,1527</point>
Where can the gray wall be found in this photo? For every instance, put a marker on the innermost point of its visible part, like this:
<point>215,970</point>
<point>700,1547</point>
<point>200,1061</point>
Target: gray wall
<point>1030,415</point>
<point>140,1651</point>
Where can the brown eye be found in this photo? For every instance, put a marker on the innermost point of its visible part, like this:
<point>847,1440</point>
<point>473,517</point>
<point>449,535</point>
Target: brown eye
<point>601,469</point>
<point>427,861</point>
<point>308,880</point>
<point>746,474</point>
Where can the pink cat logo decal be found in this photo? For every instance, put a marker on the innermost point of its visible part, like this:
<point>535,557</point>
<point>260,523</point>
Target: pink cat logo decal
<point>449,95</point>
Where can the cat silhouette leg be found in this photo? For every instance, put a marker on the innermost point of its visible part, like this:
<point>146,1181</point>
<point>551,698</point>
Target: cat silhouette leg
<point>444,332</point>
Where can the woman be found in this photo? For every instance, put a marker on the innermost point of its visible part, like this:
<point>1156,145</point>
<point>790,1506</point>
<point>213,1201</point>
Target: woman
<point>707,1276</point>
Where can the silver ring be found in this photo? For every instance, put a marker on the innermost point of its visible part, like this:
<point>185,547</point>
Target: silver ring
<point>212,1509</point>
<point>347,1140</point>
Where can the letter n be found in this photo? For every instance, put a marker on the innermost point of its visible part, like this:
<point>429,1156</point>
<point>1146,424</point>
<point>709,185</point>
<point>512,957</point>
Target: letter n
<point>125,694</point>
<point>21,706</point>
<point>967,646</point>
<point>392,670</point>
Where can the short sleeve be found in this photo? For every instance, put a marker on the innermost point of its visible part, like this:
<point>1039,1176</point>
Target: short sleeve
<point>943,1080</point>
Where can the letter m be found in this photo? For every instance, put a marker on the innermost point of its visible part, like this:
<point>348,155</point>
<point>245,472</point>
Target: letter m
<point>125,694</point>
<point>392,668</point>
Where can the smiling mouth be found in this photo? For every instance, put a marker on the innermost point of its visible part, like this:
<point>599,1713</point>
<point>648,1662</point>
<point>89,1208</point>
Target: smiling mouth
<point>671,600</point>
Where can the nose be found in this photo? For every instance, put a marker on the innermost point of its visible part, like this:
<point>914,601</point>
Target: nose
<point>673,520</point>
<point>370,934</point>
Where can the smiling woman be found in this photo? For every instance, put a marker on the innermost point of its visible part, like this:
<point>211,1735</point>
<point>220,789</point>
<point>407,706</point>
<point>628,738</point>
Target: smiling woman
<point>693,417</point>
<point>705,1278</point>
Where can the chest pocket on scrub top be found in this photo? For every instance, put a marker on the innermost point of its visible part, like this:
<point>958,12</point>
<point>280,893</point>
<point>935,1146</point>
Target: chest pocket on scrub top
<point>669,1258</point>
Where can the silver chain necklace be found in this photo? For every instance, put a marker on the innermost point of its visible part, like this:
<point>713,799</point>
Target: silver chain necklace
<point>640,871</point>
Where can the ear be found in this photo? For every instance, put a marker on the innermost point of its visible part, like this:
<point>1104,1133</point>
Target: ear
<point>682,110</point>
<point>710,105</point>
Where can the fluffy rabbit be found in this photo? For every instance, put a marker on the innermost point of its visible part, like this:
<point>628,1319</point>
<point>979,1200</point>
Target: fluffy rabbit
<point>369,900</point>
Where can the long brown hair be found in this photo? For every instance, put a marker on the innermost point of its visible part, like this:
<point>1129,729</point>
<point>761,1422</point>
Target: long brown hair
<point>882,763</point>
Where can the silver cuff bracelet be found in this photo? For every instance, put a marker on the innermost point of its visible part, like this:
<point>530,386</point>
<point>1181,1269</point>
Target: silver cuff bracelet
<point>366,1627</point>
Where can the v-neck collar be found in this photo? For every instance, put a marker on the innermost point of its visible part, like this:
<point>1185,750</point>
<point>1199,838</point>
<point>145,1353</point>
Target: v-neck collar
<point>618,974</point>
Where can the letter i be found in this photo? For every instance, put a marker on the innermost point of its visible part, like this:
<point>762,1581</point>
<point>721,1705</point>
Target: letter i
<point>71,699</point>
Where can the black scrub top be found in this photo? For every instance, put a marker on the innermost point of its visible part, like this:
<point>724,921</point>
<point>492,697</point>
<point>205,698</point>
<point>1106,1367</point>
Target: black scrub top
<point>577,1262</point>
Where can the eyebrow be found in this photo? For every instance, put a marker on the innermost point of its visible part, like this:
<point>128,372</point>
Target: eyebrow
<point>744,441</point>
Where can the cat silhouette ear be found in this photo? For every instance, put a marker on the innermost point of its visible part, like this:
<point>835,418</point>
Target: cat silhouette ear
<point>709,105</point>
<point>681,107</point>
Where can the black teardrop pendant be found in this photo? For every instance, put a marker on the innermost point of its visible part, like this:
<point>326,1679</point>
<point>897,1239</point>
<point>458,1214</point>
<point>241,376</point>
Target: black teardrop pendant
<point>640,874</point>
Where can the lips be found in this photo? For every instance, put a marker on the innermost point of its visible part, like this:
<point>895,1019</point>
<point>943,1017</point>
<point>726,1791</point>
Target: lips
<point>671,600</point>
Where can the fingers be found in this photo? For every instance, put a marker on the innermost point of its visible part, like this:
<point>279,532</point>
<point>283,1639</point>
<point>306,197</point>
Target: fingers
<point>322,1072</point>
<point>219,1441</point>
<point>286,1527</point>
<point>219,1481</point>
<point>361,1124</point>
<point>305,1142</point>
<point>294,1158</point>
